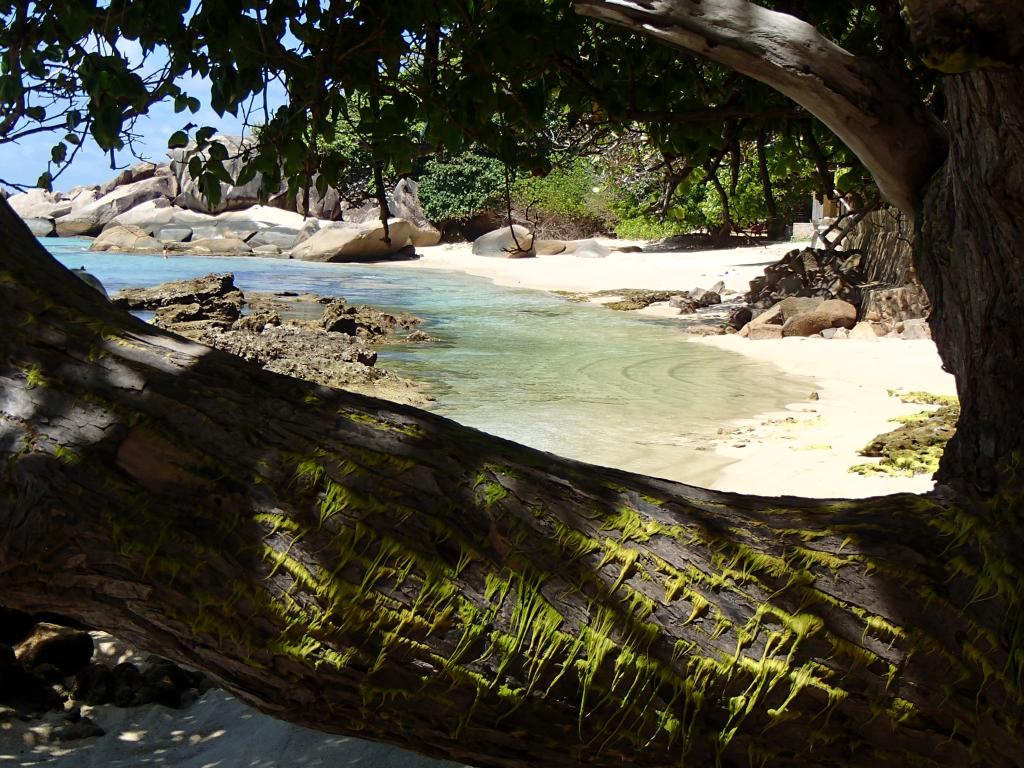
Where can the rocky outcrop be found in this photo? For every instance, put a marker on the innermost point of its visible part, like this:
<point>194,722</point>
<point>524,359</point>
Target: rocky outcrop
<point>132,174</point>
<point>41,227</point>
<point>512,243</point>
<point>890,308</point>
<point>92,218</point>
<point>343,242</point>
<point>232,198</point>
<point>214,297</point>
<point>40,204</point>
<point>549,247</point>
<point>334,350</point>
<point>586,249</point>
<point>810,272</point>
<point>220,246</point>
<point>831,313</point>
<point>127,238</point>
<point>149,216</point>
<point>403,203</point>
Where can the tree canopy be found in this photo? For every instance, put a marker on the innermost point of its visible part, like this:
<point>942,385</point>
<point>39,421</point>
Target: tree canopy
<point>522,80</point>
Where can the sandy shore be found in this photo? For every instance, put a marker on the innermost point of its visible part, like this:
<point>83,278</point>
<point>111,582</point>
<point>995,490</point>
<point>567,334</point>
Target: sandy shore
<point>565,272</point>
<point>806,449</point>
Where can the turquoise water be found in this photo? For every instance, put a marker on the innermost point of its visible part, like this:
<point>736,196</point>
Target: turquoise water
<point>577,380</point>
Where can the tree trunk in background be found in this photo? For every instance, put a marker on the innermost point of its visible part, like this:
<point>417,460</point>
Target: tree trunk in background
<point>775,226</point>
<point>968,252</point>
<point>370,569</point>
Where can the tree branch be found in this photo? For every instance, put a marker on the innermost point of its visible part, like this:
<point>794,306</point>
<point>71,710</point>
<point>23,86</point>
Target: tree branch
<point>869,107</point>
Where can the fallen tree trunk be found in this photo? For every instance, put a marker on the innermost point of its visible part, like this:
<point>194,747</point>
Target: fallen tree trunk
<point>366,568</point>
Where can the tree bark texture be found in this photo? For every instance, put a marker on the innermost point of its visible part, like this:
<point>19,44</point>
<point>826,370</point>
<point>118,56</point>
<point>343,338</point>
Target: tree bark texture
<point>871,108</point>
<point>366,568</point>
<point>968,258</point>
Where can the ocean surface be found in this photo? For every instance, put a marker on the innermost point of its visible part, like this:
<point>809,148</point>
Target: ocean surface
<point>578,380</point>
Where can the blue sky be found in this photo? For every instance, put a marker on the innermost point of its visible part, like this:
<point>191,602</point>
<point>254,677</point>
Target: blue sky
<point>22,163</point>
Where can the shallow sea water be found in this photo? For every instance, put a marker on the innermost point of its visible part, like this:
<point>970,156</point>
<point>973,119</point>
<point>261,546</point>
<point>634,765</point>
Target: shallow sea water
<point>577,380</point>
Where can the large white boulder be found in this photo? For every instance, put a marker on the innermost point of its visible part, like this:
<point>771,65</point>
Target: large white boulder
<point>133,173</point>
<point>90,219</point>
<point>501,242</point>
<point>341,242</point>
<point>40,204</point>
<point>125,238</point>
<point>40,227</point>
<point>150,215</point>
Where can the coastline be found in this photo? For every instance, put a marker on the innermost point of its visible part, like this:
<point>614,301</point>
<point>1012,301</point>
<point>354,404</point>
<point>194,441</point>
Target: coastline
<point>806,449</point>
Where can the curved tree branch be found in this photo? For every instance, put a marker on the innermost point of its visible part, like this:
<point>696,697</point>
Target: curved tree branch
<point>869,107</point>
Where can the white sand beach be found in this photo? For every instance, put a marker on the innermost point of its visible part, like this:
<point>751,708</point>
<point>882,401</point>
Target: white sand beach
<point>808,448</point>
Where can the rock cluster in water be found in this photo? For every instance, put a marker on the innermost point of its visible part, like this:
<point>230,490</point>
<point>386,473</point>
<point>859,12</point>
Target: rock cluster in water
<point>334,349</point>
<point>152,207</point>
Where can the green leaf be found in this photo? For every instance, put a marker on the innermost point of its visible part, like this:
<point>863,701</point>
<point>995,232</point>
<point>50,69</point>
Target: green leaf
<point>178,139</point>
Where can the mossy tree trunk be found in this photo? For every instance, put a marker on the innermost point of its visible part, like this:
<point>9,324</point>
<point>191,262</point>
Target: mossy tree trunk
<point>370,569</point>
<point>968,256</point>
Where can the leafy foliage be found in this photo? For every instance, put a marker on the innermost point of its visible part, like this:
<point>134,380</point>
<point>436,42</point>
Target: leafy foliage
<point>458,188</point>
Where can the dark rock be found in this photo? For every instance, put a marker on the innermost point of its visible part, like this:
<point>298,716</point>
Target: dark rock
<point>679,301</point>
<point>418,336</point>
<point>332,350</point>
<point>216,296</point>
<point>23,689</point>
<point>69,650</point>
<point>14,625</point>
<point>339,317</point>
<point>256,321</point>
<point>405,204</point>
<point>126,685</point>
<point>703,298</point>
<point>93,685</point>
<point>739,317</point>
<point>810,272</point>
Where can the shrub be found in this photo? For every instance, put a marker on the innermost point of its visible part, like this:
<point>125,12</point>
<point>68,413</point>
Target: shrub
<point>456,189</point>
<point>567,203</point>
